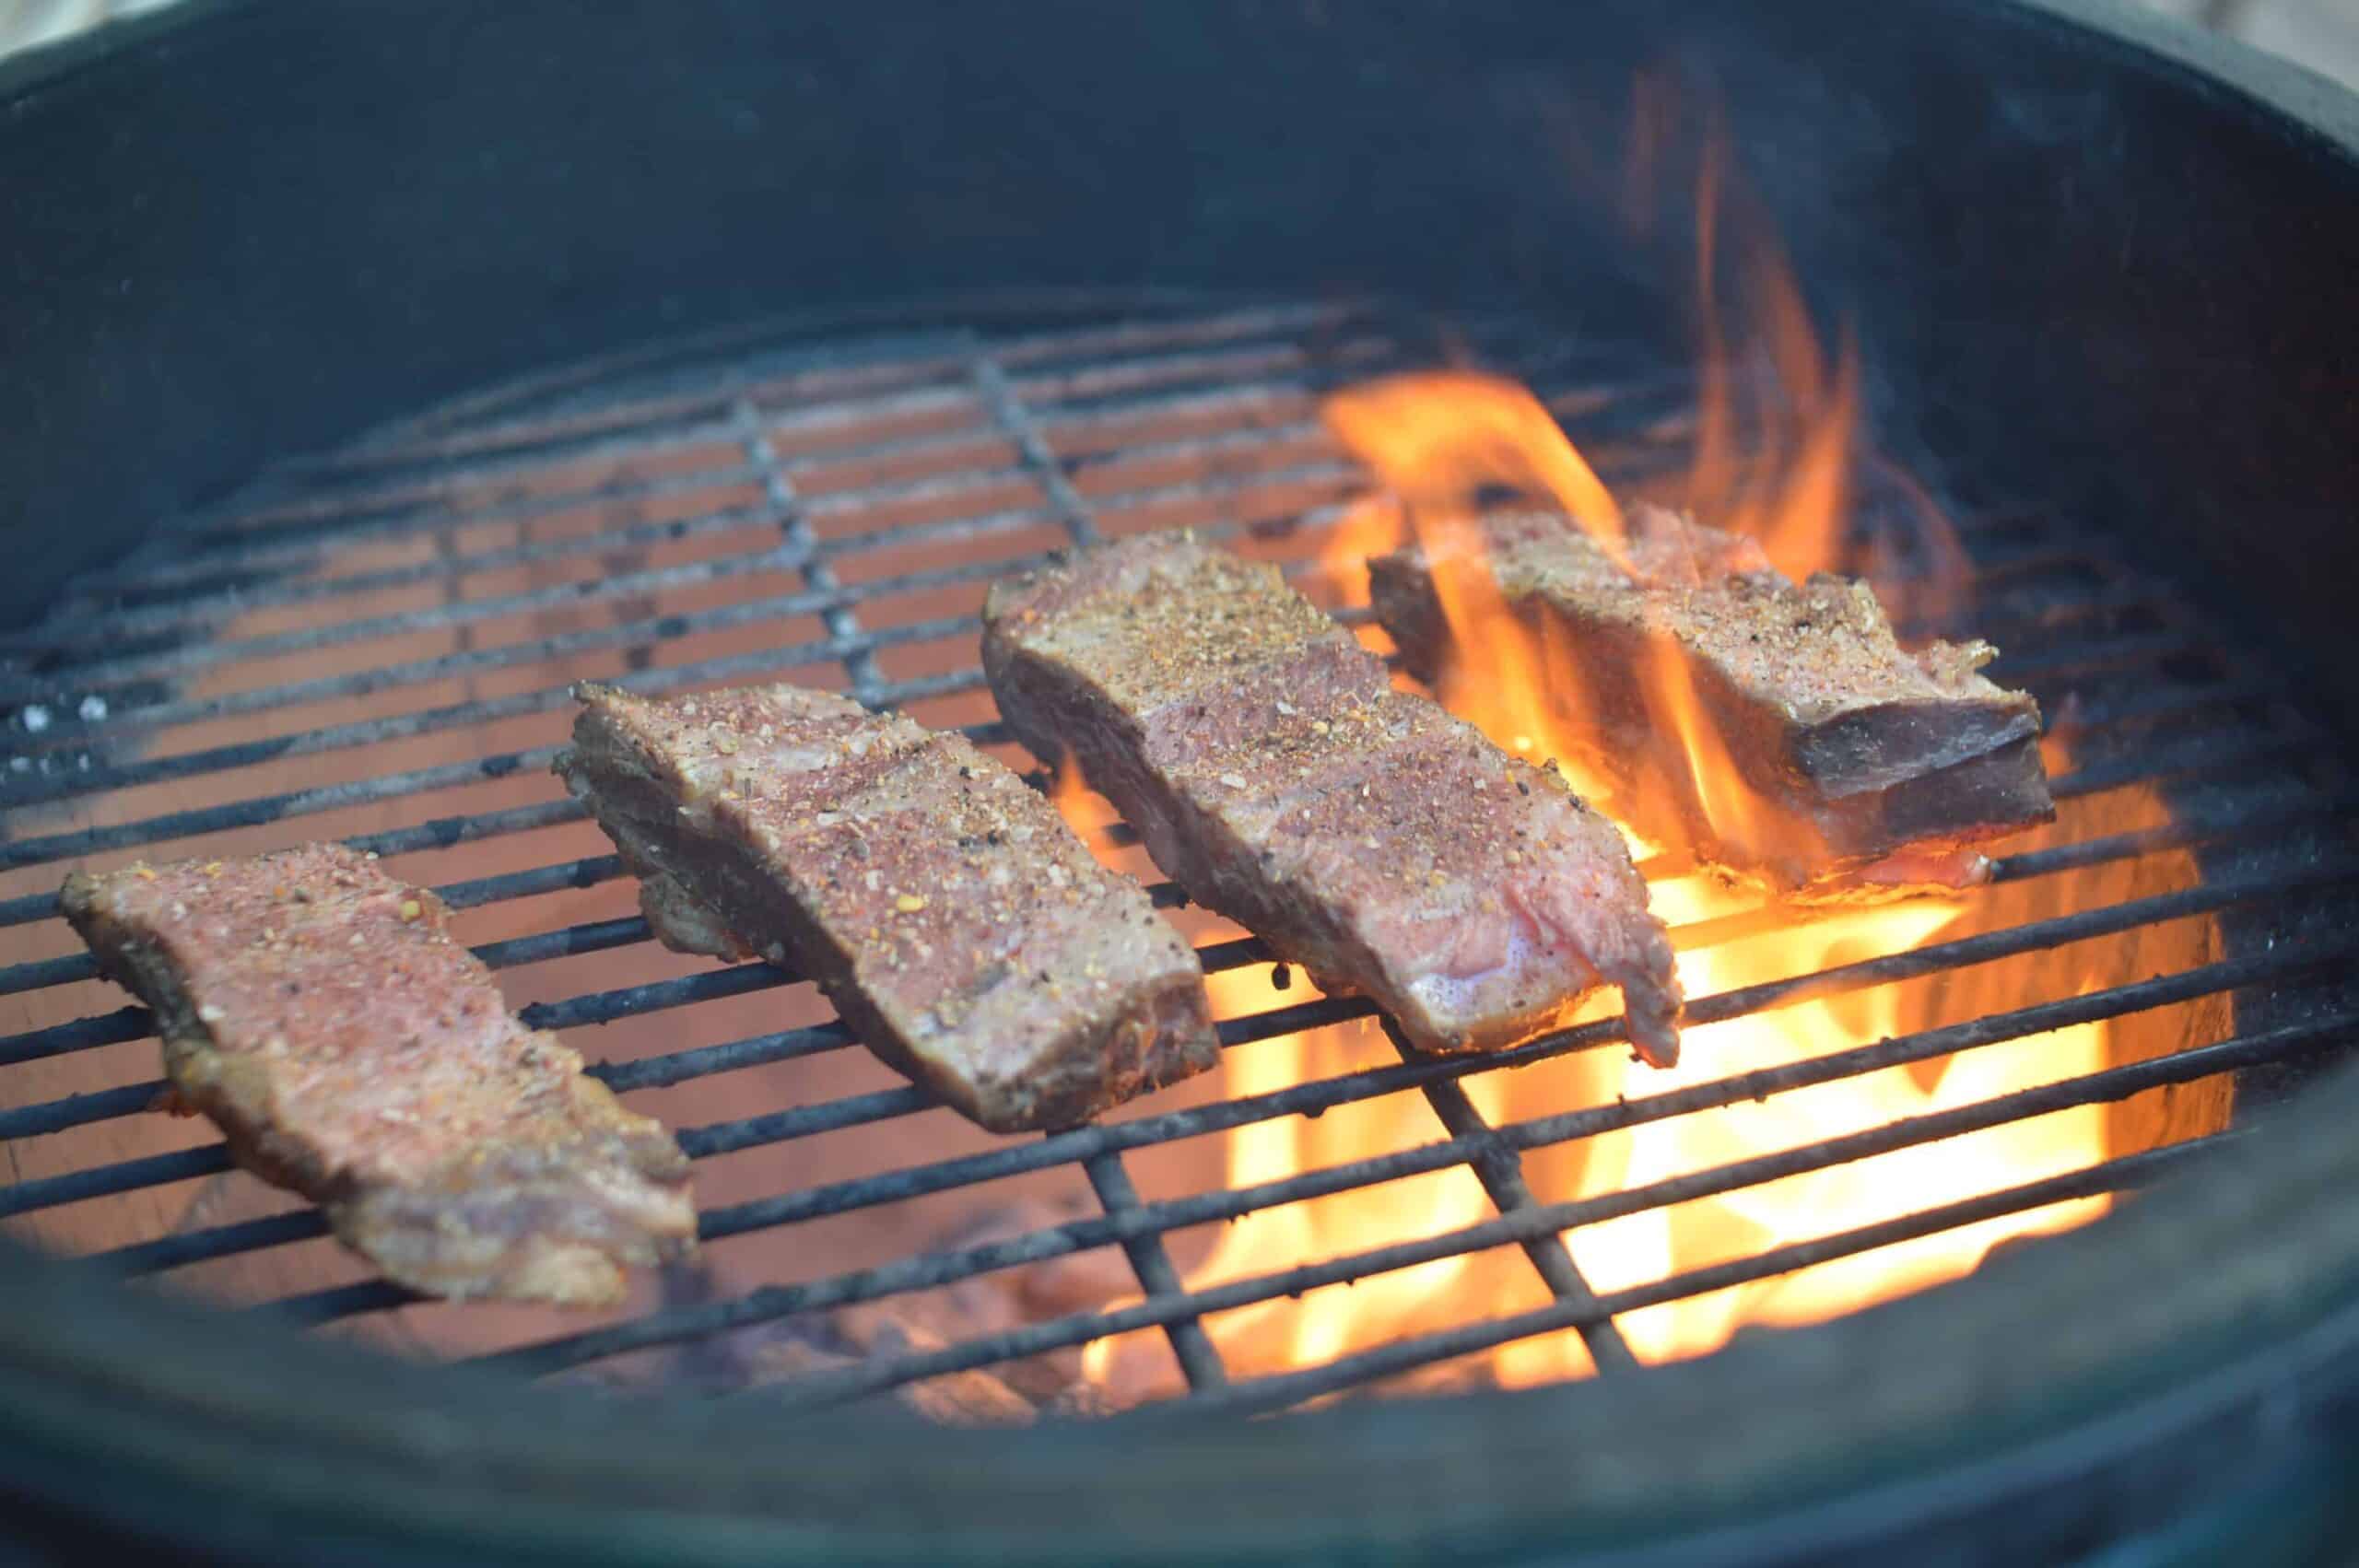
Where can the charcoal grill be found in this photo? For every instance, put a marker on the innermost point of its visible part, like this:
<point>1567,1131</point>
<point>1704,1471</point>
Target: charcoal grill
<point>372,640</point>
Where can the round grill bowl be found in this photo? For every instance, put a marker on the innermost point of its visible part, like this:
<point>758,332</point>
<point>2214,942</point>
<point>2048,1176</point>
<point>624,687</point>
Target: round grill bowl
<point>2090,260</point>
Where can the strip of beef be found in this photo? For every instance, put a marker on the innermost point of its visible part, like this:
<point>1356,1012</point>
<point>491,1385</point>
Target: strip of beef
<point>961,929</point>
<point>1866,768</point>
<point>1277,774</point>
<point>320,1011</point>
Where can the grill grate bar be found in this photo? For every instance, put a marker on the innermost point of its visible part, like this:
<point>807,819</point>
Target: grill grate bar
<point>2228,754</point>
<point>130,711</point>
<point>1553,1220</point>
<point>823,598</point>
<point>241,593</point>
<point>440,435</point>
<point>39,974</point>
<point>2210,753</point>
<point>846,642</point>
<point>1283,1390</point>
<point>1236,370</point>
<point>203,586</point>
<point>676,1324</point>
<point>792,514</point>
<point>1243,493</point>
<point>439,833</point>
<point>1063,1149</point>
<point>233,561</point>
<point>917,367</point>
<point>255,811</point>
<point>189,658</point>
<point>74,1110</point>
<point>2113,1083</point>
<point>803,1121</point>
<point>2165,701</point>
<point>1017,422</point>
<point>224,1241</point>
<point>2226,824</point>
<point>132,1023</point>
<point>1500,1170</point>
<point>2196,826</point>
<point>127,1176</point>
<point>1199,1360</point>
<point>650,1073</point>
<point>448,569</point>
<point>108,628</point>
<point>2133,651</point>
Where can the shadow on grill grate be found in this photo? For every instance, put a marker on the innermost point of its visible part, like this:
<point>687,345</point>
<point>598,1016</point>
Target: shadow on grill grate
<point>376,646</point>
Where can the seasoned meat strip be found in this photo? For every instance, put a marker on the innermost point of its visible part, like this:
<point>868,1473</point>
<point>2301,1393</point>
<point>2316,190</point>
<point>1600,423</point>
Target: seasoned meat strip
<point>319,1011</point>
<point>1275,774</point>
<point>1871,768</point>
<point>958,924</point>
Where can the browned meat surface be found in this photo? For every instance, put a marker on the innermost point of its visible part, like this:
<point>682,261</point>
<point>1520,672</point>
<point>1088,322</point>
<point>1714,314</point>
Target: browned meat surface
<point>1865,766</point>
<point>1272,770</point>
<point>321,1013</point>
<point>955,921</point>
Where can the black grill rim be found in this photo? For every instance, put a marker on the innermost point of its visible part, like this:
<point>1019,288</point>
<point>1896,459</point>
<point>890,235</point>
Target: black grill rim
<point>2056,1356</point>
<point>2245,1355</point>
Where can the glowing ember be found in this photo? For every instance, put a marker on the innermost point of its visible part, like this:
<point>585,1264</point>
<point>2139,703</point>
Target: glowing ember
<point>1644,1247</point>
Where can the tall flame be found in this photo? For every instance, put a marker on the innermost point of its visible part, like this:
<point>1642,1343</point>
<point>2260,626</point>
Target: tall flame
<point>1440,443</point>
<point>1776,418</point>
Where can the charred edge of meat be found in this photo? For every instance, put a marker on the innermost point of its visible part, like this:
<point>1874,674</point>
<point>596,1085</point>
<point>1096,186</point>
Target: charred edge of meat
<point>1274,774</point>
<point>552,1188</point>
<point>1882,768</point>
<point>957,924</point>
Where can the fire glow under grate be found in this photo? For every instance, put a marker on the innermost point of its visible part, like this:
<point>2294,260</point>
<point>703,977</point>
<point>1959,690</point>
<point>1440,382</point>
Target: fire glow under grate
<point>376,646</point>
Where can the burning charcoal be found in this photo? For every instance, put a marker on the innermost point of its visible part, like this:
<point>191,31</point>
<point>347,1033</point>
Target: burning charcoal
<point>742,1359</point>
<point>973,1397</point>
<point>1271,768</point>
<point>1083,1401</point>
<point>319,1011</point>
<point>1015,1298</point>
<point>1468,1374</point>
<point>1780,730</point>
<point>948,912</point>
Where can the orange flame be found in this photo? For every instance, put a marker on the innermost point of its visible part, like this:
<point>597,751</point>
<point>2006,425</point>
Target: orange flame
<point>1436,441</point>
<point>1776,466</point>
<point>1439,442</point>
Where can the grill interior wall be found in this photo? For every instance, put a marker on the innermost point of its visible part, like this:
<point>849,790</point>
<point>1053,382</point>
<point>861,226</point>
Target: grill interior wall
<point>833,518</point>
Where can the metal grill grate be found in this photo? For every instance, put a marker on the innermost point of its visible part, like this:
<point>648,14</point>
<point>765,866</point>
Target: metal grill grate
<point>369,639</point>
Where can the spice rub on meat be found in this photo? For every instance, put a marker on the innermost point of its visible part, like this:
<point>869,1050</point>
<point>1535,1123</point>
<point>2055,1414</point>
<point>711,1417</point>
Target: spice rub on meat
<point>1366,833</point>
<point>320,1011</point>
<point>955,921</point>
<point>1867,768</point>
